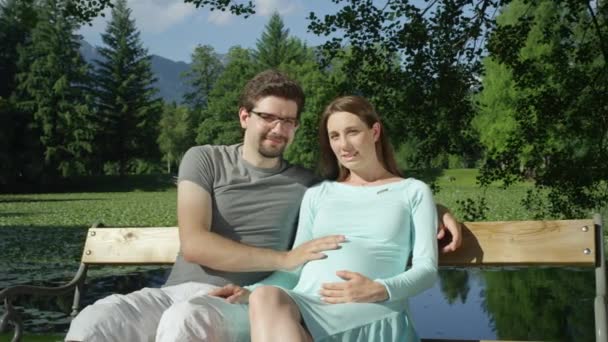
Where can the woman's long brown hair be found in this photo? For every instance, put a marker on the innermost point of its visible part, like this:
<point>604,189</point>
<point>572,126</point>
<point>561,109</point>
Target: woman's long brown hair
<point>329,167</point>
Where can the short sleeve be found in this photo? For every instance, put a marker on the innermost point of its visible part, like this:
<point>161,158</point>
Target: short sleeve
<point>197,166</point>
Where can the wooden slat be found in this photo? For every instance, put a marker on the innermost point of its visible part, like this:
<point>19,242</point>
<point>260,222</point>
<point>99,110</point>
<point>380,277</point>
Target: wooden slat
<point>521,243</point>
<point>158,245</point>
<point>516,243</point>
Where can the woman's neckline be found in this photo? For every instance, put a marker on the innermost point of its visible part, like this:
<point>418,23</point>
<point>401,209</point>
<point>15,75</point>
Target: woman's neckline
<point>370,186</point>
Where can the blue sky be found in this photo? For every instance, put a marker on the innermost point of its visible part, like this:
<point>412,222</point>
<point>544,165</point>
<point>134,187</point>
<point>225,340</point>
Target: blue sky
<point>172,28</point>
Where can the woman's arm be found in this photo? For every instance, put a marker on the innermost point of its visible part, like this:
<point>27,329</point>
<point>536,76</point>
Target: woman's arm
<point>423,272</point>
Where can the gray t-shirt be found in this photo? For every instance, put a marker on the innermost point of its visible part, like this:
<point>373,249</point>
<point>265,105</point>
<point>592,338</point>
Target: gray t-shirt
<point>254,206</point>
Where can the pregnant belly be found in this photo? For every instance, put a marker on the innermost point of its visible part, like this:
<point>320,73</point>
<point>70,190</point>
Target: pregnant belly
<point>357,256</point>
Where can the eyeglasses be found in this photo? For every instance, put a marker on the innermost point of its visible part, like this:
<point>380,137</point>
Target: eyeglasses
<point>273,120</point>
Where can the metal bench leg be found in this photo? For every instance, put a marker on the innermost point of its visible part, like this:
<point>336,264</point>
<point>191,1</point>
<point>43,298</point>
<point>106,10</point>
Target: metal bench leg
<point>11,315</point>
<point>81,275</point>
<point>600,283</point>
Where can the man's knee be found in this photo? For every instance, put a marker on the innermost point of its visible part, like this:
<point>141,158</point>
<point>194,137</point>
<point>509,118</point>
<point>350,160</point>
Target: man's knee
<point>182,312</point>
<point>194,319</point>
<point>131,317</point>
<point>101,321</point>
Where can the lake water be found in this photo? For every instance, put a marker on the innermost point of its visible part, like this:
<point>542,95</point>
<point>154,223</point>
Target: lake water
<point>509,304</point>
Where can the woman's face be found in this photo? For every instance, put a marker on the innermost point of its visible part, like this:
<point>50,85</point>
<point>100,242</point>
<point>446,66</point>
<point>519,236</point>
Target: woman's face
<point>352,141</point>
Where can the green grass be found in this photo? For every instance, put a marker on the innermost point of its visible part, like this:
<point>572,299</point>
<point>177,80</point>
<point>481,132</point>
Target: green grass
<point>155,208</point>
<point>151,201</point>
<point>43,234</point>
<point>503,204</point>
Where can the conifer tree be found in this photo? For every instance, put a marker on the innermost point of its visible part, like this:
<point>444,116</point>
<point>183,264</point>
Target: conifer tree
<point>17,18</point>
<point>129,111</point>
<point>52,86</point>
<point>276,47</point>
<point>206,67</point>
<point>219,121</point>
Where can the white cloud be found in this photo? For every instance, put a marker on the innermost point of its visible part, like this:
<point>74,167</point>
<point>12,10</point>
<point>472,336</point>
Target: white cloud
<point>220,18</point>
<point>151,16</point>
<point>284,7</point>
<point>159,15</point>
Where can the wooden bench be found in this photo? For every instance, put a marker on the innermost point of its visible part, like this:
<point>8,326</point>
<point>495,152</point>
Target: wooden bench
<point>513,243</point>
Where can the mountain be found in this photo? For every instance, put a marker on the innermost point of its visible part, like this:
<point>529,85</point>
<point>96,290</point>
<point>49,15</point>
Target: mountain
<point>169,82</point>
<point>168,73</point>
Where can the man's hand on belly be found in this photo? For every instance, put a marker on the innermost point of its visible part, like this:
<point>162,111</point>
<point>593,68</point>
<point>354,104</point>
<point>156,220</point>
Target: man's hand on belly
<point>356,288</point>
<point>310,250</point>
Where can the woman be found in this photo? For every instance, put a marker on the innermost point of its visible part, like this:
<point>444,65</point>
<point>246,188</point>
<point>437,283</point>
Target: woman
<point>358,292</point>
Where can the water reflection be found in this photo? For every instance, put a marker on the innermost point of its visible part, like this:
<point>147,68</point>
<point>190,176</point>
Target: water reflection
<point>542,304</point>
<point>525,304</point>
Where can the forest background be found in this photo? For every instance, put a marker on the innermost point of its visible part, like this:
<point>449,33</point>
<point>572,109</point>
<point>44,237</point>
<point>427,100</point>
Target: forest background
<point>517,89</point>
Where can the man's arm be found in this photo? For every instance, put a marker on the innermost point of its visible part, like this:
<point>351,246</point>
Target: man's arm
<point>449,231</point>
<point>201,246</point>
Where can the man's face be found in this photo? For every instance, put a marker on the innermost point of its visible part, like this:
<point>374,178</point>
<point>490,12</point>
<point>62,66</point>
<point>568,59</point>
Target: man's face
<point>270,126</point>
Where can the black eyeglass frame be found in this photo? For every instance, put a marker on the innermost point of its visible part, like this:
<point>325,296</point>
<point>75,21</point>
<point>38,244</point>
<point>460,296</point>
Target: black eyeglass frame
<point>273,119</point>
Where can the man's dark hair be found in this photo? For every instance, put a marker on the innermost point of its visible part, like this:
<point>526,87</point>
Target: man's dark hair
<point>271,83</point>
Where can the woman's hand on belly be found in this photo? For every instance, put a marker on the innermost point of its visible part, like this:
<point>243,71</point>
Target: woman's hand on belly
<point>356,288</point>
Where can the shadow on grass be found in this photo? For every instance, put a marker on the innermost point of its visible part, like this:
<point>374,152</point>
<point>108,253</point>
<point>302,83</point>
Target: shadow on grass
<point>34,338</point>
<point>43,245</point>
<point>14,214</point>
<point>51,314</point>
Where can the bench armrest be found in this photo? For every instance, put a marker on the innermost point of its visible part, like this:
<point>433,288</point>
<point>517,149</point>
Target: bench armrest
<point>8,294</point>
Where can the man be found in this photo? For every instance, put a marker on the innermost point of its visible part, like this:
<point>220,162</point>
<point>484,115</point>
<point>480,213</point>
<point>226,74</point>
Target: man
<point>237,211</point>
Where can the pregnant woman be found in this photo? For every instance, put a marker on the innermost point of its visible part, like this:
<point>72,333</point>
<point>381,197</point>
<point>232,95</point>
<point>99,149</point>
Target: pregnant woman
<point>358,292</point>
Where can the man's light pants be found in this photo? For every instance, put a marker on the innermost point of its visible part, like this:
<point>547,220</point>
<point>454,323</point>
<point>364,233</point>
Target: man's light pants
<point>175,313</point>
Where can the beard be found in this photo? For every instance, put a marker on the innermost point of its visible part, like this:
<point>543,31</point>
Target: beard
<point>273,151</point>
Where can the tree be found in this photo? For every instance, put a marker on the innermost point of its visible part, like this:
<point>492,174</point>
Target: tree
<point>128,110</point>
<point>418,65</point>
<point>219,121</point>
<point>177,133</point>
<point>17,19</point>
<point>276,47</point>
<point>206,67</point>
<point>320,88</point>
<point>551,57</point>
<point>51,86</point>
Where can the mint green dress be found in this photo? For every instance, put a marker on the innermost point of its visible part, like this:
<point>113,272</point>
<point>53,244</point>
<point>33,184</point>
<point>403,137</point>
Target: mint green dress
<point>383,225</point>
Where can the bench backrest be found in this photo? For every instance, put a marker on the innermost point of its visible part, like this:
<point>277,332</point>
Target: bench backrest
<point>565,242</point>
<point>151,245</point>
